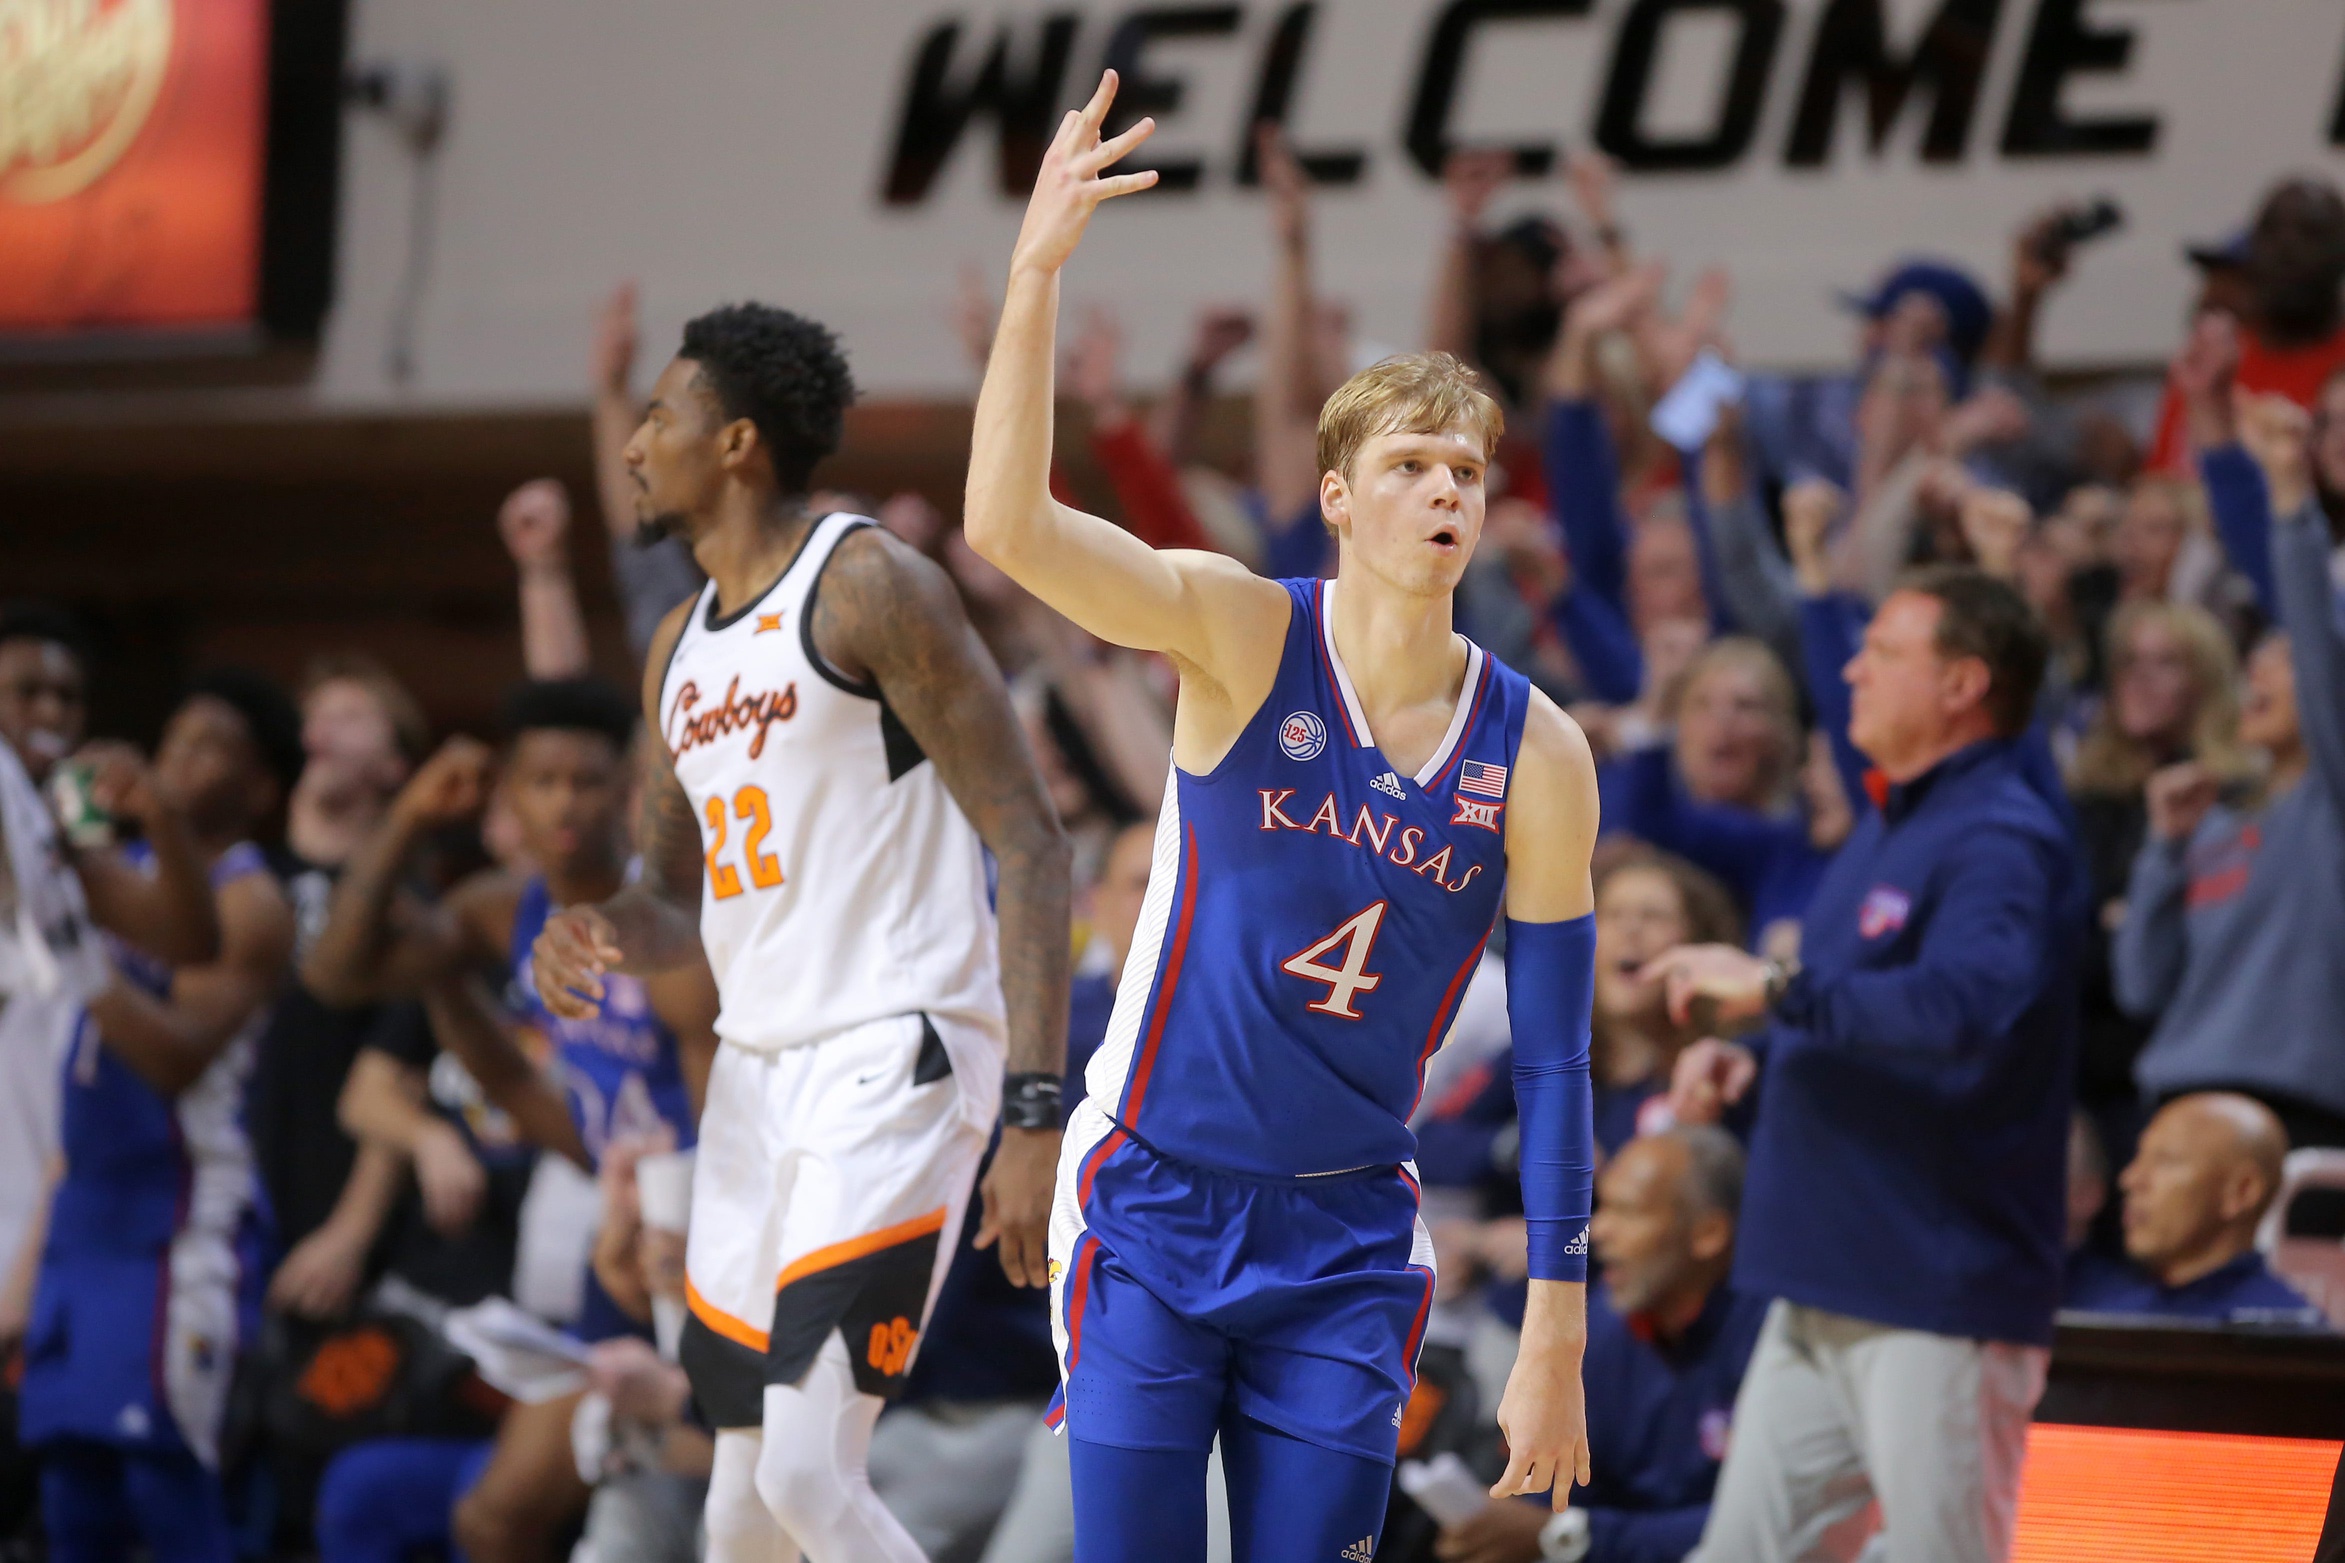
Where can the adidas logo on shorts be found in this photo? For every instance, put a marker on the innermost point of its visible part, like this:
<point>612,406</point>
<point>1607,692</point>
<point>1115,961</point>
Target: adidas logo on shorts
<point>1361,1551</point>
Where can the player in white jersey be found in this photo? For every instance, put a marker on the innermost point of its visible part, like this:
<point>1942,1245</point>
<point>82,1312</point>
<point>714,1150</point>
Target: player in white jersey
<point>837,752</point>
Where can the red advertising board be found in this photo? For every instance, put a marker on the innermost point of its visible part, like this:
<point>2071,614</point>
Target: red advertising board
<point>131,163</point>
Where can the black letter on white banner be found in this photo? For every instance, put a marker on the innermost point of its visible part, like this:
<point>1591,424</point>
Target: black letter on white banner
<point>1852,41</point>
<point>1619,127</point>
<point>2059,46</point>
<point>1274,91</point>
<point>1139,94</point>
<point>1445,57</point>
<point>1025,107</point>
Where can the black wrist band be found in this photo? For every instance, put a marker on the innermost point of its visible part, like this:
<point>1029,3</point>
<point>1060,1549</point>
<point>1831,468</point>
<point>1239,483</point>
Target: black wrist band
<point>1031,1101</point>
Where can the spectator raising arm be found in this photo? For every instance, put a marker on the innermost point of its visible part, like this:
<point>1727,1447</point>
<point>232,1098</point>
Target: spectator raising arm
<point>1146,486</point>
<point>2278,433</point>
<point>1471,178</point>
<point>651,577</point>
<point>2203,375</point>
<point>1287,392</point>
<point>170,1042</point>
<point>171,913</point>
<point>534,521</point>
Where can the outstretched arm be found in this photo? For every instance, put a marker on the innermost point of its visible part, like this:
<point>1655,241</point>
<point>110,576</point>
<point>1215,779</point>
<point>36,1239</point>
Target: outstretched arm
<point>534,521</point>
<point>1210,613</point>
<point>889,615</point>
<point>466,1022</point>
<point>1551,975</point>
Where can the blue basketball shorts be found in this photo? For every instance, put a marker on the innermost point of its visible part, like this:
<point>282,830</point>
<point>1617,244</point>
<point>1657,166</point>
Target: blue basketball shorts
<point>1182,1297</point>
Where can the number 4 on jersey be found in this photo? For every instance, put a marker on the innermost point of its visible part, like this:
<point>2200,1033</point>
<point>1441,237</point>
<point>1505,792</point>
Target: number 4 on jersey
<point>1357,935</point>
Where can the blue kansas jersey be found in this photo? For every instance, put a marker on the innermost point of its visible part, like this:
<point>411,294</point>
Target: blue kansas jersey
<point>1311,922</point>
<point>619,1067</point>
<point>157,1246</point>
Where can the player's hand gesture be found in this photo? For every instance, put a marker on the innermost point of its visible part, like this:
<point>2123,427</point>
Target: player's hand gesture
<point>1544,1412</point>
<point>574,950</point>
<point>1072,184</point>
<point>534,521</point>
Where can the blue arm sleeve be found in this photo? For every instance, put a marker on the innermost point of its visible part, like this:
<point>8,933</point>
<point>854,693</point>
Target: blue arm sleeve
<point>1583,482</point>
<point>1550,991</point>
<point>2243,518</point>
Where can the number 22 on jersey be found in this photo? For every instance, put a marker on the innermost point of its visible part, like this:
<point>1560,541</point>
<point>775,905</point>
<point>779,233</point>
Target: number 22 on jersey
<point>765,870</point>
<point>1356,937</point>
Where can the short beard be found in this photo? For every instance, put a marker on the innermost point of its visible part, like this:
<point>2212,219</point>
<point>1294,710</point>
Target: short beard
<point>654,529</point>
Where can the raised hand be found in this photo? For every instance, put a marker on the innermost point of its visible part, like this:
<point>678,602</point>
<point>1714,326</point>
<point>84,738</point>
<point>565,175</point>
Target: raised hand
<point>1472,177</point>
<point>1284,181</point>
<point>2278,434</point>
<point>1995,523</point>
<point>2179,797</point>
<point>1221,330</point>
<point>534,521</point>
<point>1594,180</point>
<point>452,786</point>
<point>1073,182</point>
<point>614,341</point>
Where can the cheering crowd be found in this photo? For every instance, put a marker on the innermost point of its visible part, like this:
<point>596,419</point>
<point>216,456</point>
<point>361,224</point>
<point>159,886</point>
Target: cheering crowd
<point>1972,766</point>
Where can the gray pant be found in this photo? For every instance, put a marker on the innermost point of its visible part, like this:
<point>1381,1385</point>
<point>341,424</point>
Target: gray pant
<point>1853,1438</point>
<point>947,1469</point>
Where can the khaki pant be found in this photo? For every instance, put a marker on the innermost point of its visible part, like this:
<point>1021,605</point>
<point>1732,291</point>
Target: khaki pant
<point>1854,1439</point>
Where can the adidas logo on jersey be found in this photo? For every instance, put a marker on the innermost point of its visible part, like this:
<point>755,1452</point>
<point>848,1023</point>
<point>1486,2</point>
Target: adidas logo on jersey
<point>1390,786</point>
<point>1361,1551</point>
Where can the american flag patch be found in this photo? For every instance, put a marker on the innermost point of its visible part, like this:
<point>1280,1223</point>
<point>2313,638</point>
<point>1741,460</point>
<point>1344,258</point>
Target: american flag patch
<point>1483,781</point>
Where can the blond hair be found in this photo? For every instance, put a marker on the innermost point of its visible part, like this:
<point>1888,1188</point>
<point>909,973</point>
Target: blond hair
<point>2111,761</point>
<point>1412,393</point>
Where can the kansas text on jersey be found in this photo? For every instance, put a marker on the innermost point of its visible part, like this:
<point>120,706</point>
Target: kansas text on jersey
<point>1311,921</point>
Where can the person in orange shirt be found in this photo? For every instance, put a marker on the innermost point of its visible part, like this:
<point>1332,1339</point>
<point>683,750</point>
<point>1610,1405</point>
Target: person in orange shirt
<point>2282,276</point>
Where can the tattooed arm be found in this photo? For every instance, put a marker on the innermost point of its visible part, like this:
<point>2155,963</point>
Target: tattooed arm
<point>886,615</point>
<point>652,925</point>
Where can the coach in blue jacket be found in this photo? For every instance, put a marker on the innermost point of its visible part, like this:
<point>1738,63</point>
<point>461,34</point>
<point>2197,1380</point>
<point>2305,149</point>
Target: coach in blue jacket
<point>1907,1161</point>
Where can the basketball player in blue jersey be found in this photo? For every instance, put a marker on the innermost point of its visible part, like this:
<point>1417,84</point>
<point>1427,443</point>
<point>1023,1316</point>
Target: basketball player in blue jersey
<point>155,1256</point>
<point>1357,793</point>
<point>635,1064</point>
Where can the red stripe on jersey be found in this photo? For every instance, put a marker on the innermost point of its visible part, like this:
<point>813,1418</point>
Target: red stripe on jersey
<point>1465,733</point>
<point>1416,1190</point>
<point>1417,1330</point>
<point>1443,1015</point>
<point>1093,1162</point>
<point>1078,1293</point>
<point>1136,1089</point>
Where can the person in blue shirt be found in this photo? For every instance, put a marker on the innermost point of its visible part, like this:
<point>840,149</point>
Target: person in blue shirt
<point>1906,1192</point>
<point>1668,1339</point>
<point>636,1068</point>
<point>2201,1179</point>
<point>157,1241</point>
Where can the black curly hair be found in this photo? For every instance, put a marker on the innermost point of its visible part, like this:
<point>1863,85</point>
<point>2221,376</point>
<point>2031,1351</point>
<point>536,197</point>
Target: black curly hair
<point>571,705</point>
<point>271,720</point>
<point>782,372</point>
